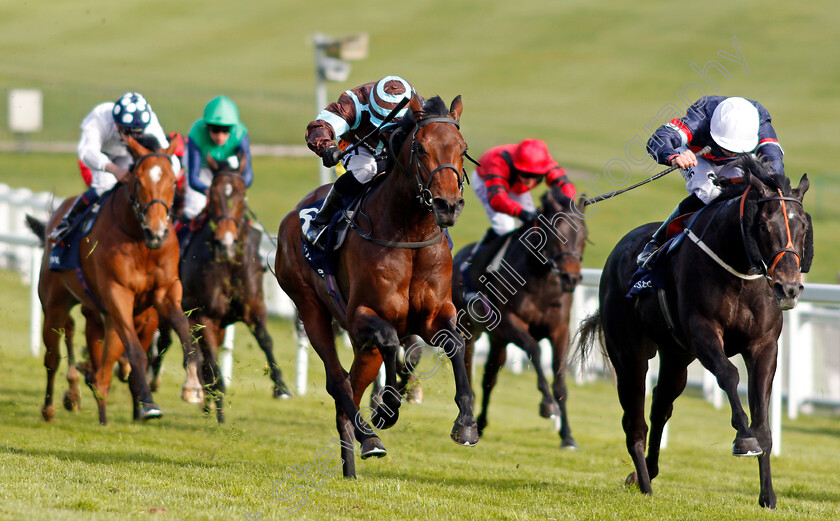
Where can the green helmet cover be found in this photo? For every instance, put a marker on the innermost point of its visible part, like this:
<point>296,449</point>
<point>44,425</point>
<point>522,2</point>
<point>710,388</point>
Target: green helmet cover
<point>221,110</point>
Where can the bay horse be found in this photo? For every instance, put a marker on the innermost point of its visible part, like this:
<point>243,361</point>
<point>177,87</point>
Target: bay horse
<point>128,264</point>
<point>394,276</point>
<point>530,298</point>
<point>724,292</point>
<point>221,273</point>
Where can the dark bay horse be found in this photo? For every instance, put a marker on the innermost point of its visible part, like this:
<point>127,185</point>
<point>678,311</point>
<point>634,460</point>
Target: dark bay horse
<point>725,289</point>
<point>221,272</point>
<point>129,262</point>
<point>395,279</point>
<point>530,298</point>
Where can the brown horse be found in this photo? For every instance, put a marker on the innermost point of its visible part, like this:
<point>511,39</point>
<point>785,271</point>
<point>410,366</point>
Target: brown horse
<point>724,292</point>
<point>129,263</point>
<point>221,272</point>
<point>395,278</point>
<point>530,298</point>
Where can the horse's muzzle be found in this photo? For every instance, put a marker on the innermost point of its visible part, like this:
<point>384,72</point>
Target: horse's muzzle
<point>447,212</point>
<point>154,240</point>
<point>787,293</point>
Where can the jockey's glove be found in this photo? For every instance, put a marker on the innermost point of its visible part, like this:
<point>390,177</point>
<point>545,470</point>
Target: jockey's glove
<point>331,156</point>
<point>528,216</point>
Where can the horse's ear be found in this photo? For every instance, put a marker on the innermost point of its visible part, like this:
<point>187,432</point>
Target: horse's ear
<point>173,145</point>
<point>243,157</point>
<point>804,184</point>
<point>415,104</point>
<point>760,187</point>
<point>456,108</point>
<point>211,163</point>
<point>136,149</point>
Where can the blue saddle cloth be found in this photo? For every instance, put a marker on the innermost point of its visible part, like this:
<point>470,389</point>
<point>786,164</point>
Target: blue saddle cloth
<point>64,255</point>
<point>647,282</point>
<point>322,261</point>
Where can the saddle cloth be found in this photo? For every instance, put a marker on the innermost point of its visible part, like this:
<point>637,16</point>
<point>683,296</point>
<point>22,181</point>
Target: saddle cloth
<point>64,255</point>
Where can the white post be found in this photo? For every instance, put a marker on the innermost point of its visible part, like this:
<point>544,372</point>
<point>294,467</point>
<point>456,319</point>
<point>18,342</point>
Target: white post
<point>34,302</point>
<point>776,401</point>
<point>320,98</point>
<point>5,219</point>
<point>227,355</point>
<point>302,366</point>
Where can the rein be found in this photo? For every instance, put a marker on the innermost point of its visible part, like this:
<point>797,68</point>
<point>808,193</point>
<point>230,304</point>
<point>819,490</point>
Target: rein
<point>424,194</point>
<point>780,252</point>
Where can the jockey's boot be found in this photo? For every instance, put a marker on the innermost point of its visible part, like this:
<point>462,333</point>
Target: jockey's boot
<point>346,185</point>
<point>81,204</point>
<point>690,204</point>
<point>488,237</point>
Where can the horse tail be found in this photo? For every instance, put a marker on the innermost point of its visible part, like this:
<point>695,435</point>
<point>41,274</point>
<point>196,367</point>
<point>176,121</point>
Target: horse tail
<point>589,332</point>
<point>38,227</point>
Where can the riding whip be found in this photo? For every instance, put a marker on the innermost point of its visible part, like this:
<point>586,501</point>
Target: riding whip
<point>403,102</point>
<point>670,169</point>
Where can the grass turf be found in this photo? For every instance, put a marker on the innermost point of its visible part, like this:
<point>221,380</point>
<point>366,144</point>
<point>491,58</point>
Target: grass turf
<point>187,467</point>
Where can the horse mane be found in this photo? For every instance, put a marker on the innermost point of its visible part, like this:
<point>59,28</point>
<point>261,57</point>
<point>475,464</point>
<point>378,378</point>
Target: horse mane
<point>751,166</point>
<point>433,107</point>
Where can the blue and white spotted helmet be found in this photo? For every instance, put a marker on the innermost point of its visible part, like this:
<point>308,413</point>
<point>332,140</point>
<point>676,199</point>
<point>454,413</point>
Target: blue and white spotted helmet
<point>132,111</point>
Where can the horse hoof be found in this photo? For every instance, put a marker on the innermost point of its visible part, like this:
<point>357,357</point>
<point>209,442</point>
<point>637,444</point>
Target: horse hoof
<point>150,411</point>
<point>746,447</point>
<point>48,412</point>
<point>466,435</point>
<point>569,444</point>
<point>122,371</point>
<point>631,480</point>
<point>416,395</point>
<point>192,394</point>
<point>373,447</point>
<point>72,400</point>
<point>282,392</point>
<point>549,410</point>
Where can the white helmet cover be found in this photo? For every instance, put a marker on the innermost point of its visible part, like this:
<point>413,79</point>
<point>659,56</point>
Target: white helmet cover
<point>734,125</point>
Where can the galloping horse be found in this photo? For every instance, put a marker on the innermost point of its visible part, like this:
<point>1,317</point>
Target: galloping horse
<point>129,263</point>
<point>531,299</point>
<point>221,272</point>
<point>723,295</point>
<point>395,278</point>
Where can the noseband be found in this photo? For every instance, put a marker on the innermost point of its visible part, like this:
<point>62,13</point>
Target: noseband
<point>777,255</point>
<point>140,213</point>
<point>423,193</point>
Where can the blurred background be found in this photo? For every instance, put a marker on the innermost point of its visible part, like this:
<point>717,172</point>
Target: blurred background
<point>590,78</point>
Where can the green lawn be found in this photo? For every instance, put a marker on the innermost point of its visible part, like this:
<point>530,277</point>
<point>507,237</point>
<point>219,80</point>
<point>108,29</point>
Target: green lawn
<point>590,78</point>
<point>187,467</point>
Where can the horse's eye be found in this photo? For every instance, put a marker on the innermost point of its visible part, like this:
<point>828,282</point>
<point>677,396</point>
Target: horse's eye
<point>762,226</point>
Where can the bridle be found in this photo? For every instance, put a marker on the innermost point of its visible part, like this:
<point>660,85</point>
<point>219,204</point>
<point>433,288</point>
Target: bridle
<point>777,255</point>
<point>140,211</point>
<point>224,216</point>
<point>424,195</point>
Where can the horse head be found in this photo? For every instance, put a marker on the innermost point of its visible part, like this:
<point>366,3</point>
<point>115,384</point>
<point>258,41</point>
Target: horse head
<point>435,157</point>
<point>151,188</point>
<point>777,231</point>
<point>226,203</point>
<point>566,233</point>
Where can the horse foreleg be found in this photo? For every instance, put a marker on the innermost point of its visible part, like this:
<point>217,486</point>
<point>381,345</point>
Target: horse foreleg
<point>371,330</point>
<point>560,351</point>
<point>258,329</point>
<point>708,347</point>
<point>170,307</point>
<point>762,368</point>
<point>72,397</point>
<point>156,352</point>
<point>442,332</point>
<point>496,357</point>
<point>211,374</point>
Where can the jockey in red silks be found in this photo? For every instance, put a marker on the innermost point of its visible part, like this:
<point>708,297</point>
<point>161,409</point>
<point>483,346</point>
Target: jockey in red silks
<point>730,126</point>
<point>505,178</point>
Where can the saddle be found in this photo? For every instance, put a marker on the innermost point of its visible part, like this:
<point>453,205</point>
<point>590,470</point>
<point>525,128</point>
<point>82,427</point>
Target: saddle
<point>648,282</point>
